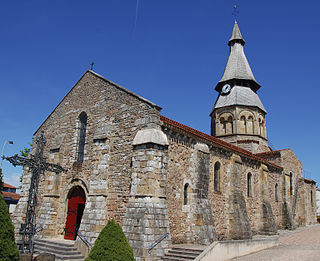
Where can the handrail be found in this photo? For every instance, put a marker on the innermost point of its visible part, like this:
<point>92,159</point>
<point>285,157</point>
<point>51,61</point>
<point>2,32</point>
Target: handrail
<point>155,243</point>
<point>83,238</point>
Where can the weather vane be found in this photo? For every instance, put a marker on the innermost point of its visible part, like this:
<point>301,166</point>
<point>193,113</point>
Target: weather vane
<point>91,66</point>
<point>235,12</point>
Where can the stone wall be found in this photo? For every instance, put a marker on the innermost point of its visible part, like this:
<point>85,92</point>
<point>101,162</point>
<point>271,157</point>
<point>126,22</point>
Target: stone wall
<point>114,117</point>
<point>234,213</point>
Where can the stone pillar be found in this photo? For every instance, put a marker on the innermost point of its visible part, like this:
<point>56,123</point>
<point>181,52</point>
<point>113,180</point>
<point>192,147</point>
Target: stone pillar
<point>287,220</point>
<point>268,225</point>
<point>238,217</point>
<point>204,231</point>
<point>146,217</point>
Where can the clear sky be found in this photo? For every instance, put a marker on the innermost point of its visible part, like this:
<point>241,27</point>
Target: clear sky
<point>172,52</point>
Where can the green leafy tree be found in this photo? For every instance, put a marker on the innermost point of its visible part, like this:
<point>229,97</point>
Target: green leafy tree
<point>8,247</point>
<point>111,245</point>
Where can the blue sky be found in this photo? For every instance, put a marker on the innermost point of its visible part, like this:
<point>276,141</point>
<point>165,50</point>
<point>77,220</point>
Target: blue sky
<point>172,52</point>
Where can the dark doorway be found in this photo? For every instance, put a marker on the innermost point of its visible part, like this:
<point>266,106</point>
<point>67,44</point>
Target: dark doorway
<point>76,205</point>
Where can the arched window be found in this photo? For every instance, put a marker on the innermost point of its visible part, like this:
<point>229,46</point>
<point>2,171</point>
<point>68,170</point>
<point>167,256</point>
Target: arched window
<point>243,124</point>
<point>291,184</point>
<point>82,136</point>
<point>249,187</point>
<point>216,177</point>
<point>261,127</point>
<point>223,125</point>
<point>276,192</point>
<point>185,194</point>
<point>230,125</point>
<point>250,127</point>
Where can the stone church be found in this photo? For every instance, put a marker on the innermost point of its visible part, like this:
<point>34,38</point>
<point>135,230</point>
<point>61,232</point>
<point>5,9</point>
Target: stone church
<point>154,175</point>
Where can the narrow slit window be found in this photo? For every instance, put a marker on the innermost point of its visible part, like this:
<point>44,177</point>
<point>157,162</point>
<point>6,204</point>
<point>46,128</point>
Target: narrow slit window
<point>276,193</point>
<point>249,188</point>
<point>216,177</point>
<point>82,136</point>
<point>185,194</point>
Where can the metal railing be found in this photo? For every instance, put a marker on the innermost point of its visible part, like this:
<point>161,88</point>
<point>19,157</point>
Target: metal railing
<point>83,238</point>
<point>155,243</point>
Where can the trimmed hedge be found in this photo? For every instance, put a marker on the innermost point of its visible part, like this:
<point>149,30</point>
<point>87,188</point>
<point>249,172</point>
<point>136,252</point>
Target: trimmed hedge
<point>8,247</point>
<point>111,245</point>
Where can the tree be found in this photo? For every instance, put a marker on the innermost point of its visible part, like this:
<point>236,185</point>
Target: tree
<point>24,153</point>
<point>111,245</point>
<point>8,247</point>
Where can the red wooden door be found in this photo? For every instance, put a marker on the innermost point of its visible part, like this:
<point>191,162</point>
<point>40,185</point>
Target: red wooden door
<point>75,203</point>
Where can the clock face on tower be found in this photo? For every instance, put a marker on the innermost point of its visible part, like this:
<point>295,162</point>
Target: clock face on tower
<point>226,89</point>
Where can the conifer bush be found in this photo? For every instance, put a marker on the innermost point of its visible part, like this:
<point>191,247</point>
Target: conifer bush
<point>8,247</point>
<point>111,245</point>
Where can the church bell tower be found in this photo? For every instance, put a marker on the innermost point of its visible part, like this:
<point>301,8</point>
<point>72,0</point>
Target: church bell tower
<point>238,116</point>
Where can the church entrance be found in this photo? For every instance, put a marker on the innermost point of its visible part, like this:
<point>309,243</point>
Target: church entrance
<point>76,203</point>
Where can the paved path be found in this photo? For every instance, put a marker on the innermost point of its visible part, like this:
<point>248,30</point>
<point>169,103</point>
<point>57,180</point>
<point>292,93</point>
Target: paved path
<point>302,244</point>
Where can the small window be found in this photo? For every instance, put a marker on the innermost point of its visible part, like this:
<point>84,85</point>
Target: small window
<point>185,194</point>
<point>291,184</point>
<point>82,136</point>
<point>311,198</point>
<point>276,192</point>
<point>216,177</point>
<point>249,188</point>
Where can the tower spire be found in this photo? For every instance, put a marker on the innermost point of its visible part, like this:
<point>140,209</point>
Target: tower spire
<point>237,70</point>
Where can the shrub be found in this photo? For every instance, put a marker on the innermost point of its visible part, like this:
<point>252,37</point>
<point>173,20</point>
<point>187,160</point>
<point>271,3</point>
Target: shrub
<point>111,244</point>
<point>8,247</point>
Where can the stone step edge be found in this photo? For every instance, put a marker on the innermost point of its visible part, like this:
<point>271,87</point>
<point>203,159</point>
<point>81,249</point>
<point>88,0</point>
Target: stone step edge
<point>180,256</point>
<point>57,252</point>
<point>188,249</point>
<point>71,244</point>
<point>43,244</point>
<point>64,257</point>
<point>184,252</point>
<point>173,258</point>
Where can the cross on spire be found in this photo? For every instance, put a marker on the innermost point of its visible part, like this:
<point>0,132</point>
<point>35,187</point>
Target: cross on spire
<point>235,12</point>
<point>37,165</point>
<point>91,68</point>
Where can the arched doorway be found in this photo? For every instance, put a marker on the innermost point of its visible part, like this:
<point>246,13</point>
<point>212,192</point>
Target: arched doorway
<point>76,204</point>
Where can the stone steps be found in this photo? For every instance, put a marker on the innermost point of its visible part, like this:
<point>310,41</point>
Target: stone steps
<point>62,249</point>
<point>182,253</point>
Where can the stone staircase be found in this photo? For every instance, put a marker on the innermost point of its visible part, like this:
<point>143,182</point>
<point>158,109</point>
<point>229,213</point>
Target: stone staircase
<point>184,252</point>
<point>62,249</point>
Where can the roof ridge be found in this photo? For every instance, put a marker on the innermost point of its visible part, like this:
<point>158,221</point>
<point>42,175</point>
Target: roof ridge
<point>8,185</point>
<point>215,140</point>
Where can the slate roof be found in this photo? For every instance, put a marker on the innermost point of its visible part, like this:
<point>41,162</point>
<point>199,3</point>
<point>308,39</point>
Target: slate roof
<point>216,141</point>
<point>237,67</point>
<point>239,96</point>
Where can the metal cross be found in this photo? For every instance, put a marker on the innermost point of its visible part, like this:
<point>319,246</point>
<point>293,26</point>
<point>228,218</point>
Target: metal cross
<point>92,66</point>
<point>235,12</point>
<point>37,165</point>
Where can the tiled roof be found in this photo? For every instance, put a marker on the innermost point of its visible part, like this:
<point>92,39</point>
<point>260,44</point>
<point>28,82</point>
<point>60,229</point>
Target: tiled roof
<point>309,180</point>
<point>14,196</point>
<point>215,140</point>
<point>270,153</point>
<point>6,185</point>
